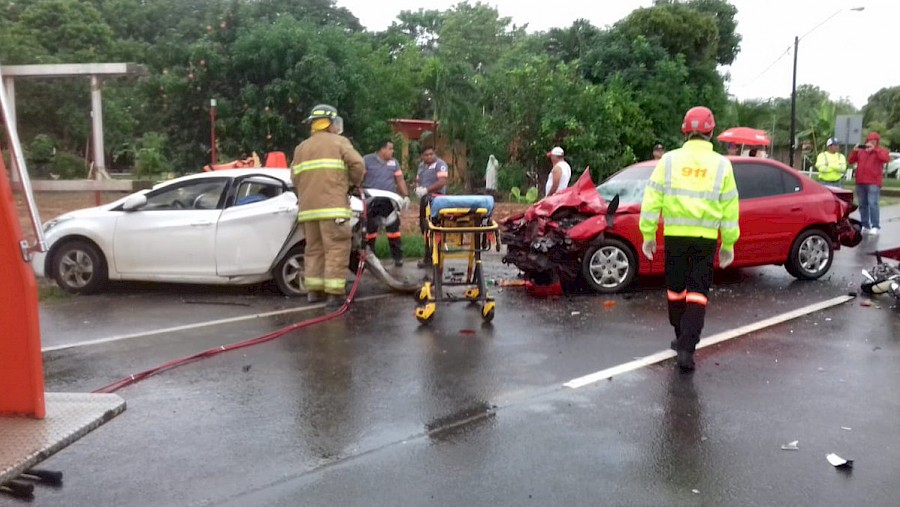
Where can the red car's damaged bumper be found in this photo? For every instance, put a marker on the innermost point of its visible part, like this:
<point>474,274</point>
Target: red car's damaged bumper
<point>546,241</point>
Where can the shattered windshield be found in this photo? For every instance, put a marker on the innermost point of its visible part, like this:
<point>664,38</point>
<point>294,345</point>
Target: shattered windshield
<point>628,183</point>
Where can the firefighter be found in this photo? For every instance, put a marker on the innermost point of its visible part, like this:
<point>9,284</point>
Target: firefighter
<point>325,167</point>
<point>693,188</point>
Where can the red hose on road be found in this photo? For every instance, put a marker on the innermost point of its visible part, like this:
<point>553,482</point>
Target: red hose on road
<point>137,377</point>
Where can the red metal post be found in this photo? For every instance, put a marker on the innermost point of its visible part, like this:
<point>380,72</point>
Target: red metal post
<point>21,365</point>
<point>212,130</point>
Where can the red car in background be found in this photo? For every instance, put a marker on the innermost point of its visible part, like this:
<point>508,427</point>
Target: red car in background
<point>589,235</point>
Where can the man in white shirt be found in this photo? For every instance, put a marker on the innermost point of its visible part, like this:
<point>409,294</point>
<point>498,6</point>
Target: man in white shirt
<point>561,173</point>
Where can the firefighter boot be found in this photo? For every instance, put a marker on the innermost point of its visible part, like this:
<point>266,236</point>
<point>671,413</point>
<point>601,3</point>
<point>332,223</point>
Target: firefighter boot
<point>333,302</point>
<point>685,361</point>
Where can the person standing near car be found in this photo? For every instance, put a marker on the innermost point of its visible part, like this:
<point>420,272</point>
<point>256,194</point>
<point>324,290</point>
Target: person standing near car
<point>383,173</point>
<point>831,164</point>
<point>693,188</point>
<point>869,159</point>
<point>325,166</point>
<point>431,180</point>
<point>560,174</point>
<point>658,151</point>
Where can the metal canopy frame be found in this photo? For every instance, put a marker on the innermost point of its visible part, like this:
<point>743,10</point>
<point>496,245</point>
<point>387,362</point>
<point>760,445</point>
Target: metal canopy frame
<point>96,71</point>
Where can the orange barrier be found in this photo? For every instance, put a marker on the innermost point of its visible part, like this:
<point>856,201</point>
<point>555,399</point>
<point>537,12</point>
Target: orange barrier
<point>21,367</point>
<point>276,159</point>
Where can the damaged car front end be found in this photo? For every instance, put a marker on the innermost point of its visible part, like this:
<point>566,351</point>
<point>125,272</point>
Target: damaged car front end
<point>548,241</point>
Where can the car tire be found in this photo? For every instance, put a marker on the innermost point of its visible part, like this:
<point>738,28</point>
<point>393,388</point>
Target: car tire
<point>811,255</point>
<point>290,271</point>
<point>609,266</point>
<point>79,267</point>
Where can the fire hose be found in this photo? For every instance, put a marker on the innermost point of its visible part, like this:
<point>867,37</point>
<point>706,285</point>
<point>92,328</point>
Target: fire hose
<point>137,377</point>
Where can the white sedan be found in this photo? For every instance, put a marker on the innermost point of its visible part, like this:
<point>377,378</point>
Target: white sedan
<point>892,168</point>
<point>224,227</point>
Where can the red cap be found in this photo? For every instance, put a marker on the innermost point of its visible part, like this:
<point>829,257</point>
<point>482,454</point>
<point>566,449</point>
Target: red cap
<point>873,136</point>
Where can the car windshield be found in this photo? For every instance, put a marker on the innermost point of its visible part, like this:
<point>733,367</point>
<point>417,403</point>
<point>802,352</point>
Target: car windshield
<point>628,184</point>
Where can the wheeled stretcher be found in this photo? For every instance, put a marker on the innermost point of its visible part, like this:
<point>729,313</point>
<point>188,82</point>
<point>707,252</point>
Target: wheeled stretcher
<point>458,227</point>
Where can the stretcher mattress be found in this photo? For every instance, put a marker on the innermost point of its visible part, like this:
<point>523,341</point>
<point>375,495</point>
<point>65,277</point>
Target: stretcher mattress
<point>472,202</point>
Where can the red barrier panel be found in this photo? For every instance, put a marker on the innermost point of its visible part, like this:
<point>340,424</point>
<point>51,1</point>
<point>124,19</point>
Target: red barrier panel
<point>21,367</point>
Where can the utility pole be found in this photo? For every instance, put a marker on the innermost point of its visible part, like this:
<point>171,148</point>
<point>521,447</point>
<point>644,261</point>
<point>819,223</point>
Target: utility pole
<point>793,139</point>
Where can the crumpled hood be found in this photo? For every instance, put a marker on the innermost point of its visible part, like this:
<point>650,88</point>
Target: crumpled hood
<point>582,196</point>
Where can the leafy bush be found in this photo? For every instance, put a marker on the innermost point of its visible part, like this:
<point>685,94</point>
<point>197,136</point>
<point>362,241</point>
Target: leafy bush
<point>68,166</point>
<point>530,197</point>
<point>509,176</point>
<point>150,155</point>
<point>42,149</point>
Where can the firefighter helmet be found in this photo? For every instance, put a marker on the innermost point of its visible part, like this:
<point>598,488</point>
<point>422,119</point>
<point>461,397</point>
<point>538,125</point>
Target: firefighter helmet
<point>698,119</point>
<point>322,111</point>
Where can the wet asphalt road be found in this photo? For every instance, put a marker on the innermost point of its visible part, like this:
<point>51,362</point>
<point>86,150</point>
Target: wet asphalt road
<point>372,409</point>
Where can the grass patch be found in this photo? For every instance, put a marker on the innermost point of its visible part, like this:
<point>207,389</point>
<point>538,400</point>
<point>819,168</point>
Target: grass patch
<point>888,201</point>
<point>413,246</point>
<point>49,292</point>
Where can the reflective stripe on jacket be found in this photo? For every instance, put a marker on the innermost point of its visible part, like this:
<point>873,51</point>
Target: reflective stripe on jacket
<point>831,166</point>
<point>324,168</point>
<point>693,187</point>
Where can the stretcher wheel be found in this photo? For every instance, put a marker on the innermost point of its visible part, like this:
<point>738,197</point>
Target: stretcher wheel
<point>425,313</point>
<point>424,294</point>
<point>487,311</point>
<point>473,294</point>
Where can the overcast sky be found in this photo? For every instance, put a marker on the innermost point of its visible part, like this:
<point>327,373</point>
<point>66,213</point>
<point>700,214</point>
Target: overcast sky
<point>851,55</point>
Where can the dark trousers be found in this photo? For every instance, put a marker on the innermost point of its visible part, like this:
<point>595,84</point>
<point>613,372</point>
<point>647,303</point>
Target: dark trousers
<point>689,271</point>
<point>423,224</point>
<point>379,210</point>
<point>393,236</point>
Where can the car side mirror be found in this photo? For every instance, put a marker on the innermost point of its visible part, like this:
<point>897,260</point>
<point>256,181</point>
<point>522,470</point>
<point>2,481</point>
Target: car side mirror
<point>135,202</point>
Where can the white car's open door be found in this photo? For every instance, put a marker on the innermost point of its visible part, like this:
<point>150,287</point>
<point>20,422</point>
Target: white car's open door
<point>249,236</point>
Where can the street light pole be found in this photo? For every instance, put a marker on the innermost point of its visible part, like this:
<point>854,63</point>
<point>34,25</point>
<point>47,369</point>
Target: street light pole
<point>793,139</point>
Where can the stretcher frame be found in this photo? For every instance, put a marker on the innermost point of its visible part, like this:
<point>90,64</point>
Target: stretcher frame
<point>457,233</point>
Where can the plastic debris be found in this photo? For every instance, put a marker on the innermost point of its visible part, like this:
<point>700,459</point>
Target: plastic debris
<point>467,331</point>
<point>865,302</point>
<point>695,491</point>
<point>791,446</point>
<point>609,304</point>
<point>576,313</point>
<point>512,283</point>
<point>839,462</point>
<point>846,428</point>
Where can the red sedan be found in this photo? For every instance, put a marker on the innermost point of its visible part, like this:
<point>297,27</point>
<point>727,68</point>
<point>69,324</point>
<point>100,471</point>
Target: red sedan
<point>589,235</point>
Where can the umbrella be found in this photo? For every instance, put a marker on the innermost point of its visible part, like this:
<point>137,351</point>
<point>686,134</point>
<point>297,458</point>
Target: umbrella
<point>744,135</point>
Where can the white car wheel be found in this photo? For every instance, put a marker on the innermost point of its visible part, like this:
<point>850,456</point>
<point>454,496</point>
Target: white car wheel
<point>290,271</point>
<point>79,267</point>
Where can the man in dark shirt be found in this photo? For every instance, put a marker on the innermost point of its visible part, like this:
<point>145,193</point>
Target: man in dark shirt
<point>383,173</point>
<point>431,179</point>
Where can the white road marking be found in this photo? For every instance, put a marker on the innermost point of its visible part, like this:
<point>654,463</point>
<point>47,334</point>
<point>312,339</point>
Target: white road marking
<point>705,342</point>
<point>198,325</point>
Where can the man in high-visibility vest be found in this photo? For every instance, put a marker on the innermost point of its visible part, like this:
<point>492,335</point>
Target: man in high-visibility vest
<point>831,164</point>
<point>325,166</point>
<point>693,188</point>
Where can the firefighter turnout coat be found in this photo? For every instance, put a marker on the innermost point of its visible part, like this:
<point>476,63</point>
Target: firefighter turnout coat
<point>325,166</point>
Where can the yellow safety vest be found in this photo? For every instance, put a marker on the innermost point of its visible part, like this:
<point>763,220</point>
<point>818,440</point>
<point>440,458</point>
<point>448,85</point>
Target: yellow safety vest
<point>831,166</point>
<point>694,189</point>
